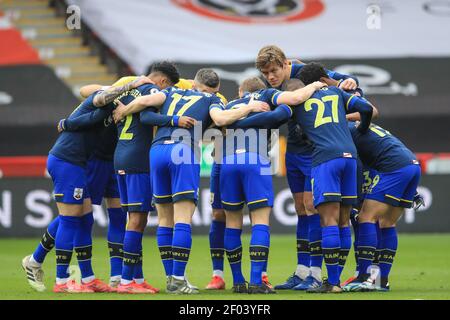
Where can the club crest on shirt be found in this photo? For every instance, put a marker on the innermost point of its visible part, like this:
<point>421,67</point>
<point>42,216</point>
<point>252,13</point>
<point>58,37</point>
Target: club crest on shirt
<point>78,193</point>
<point>347,155</point>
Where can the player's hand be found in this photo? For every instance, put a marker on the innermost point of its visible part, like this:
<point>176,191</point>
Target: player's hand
<point>186,122</point>
<point>60,126</point>
<point>140,81</point>
<point>318,85</point>
<point>118,113</point>
<point>418,201</point>
<point>258,106</point>
<point>348,84</point>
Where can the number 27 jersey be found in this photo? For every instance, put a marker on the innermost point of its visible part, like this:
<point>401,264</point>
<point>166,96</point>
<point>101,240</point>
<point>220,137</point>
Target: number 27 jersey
<point>322,118</point>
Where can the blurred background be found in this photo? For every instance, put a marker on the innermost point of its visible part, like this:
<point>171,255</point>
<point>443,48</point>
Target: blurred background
<point>399,50</point>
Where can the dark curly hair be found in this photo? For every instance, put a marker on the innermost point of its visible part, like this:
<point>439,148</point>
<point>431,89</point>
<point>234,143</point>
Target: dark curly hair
<point>312,72</point>
<point>168,69</point>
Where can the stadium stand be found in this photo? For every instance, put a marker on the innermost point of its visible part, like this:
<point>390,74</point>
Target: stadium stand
<point>42,66</point>
<point>44,27</point>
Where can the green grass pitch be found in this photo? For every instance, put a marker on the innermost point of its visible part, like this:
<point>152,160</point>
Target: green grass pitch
<point>421,270</point>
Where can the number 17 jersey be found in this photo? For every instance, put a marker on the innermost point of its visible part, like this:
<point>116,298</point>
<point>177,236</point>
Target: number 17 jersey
<point>189,103</point>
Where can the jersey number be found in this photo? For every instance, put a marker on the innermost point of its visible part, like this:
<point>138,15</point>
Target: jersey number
<point>367,181</point>
<point>124,135</point>
<point>190,100</point>
<point>320,119</point>
<point>379,131</point>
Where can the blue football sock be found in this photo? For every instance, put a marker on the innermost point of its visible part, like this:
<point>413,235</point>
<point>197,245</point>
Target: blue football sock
<point>138,273</point>
<point>259,251</point>
<point>164,238</point>
<point>389,244</point>
<point>131,253</point>
<point>331,246</point>
<point>82,244</point>
<point>65,235</point>
<point>315,241</point>
<point>264,267</point>
<point>346,243</point>
<point>355,226</point>
<point>303,257</point>
<point>367,243</point>
<point>378,250</point>
<point>233,247</point>
<point>116,232</point>
<point>181,248</point>
<point>47,242</point>
<point>216,244</point>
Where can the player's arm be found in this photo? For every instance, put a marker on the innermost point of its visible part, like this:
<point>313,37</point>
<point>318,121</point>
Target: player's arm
<point>353,104</point>
<point>86,91</point>
<point>298,96</point>
<point>110,94</point>
<point>151,116</point>
<point>137,105</point>
<point>84,121</point>
<point>223,117</point>
<point>271,119</point>
<point>355,116</point>
<point>346,82</point>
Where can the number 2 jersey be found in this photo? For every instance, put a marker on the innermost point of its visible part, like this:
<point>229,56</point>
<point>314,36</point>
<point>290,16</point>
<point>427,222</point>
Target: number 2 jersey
<point>135,137</point>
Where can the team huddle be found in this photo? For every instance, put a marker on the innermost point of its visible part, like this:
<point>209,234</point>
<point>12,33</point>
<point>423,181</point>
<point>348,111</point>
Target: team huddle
<point>137,145</point>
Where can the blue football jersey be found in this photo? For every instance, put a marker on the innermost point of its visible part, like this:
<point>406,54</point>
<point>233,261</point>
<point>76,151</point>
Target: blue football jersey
<point>76,147</point>
<point>297,141</point>
<point>107,141</point>
<point>190,103</point>
<point>380,150</point>
<point>249,139</point>
<point>134,138</point>
<point>323,120</point>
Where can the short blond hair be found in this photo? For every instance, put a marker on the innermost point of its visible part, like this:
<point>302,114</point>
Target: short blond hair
<point>252,84</point>
<point>270,54</point>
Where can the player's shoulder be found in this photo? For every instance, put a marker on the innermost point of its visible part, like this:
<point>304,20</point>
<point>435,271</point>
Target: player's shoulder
<point>296,68</point>
<point>124,80</point>
<point>262,94</point>
<point>222,97</point>
<point>184,84</point>
<point>236,103</point>
<point>170,90</point>
<point>330,90</point>
<point>148,88</point>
